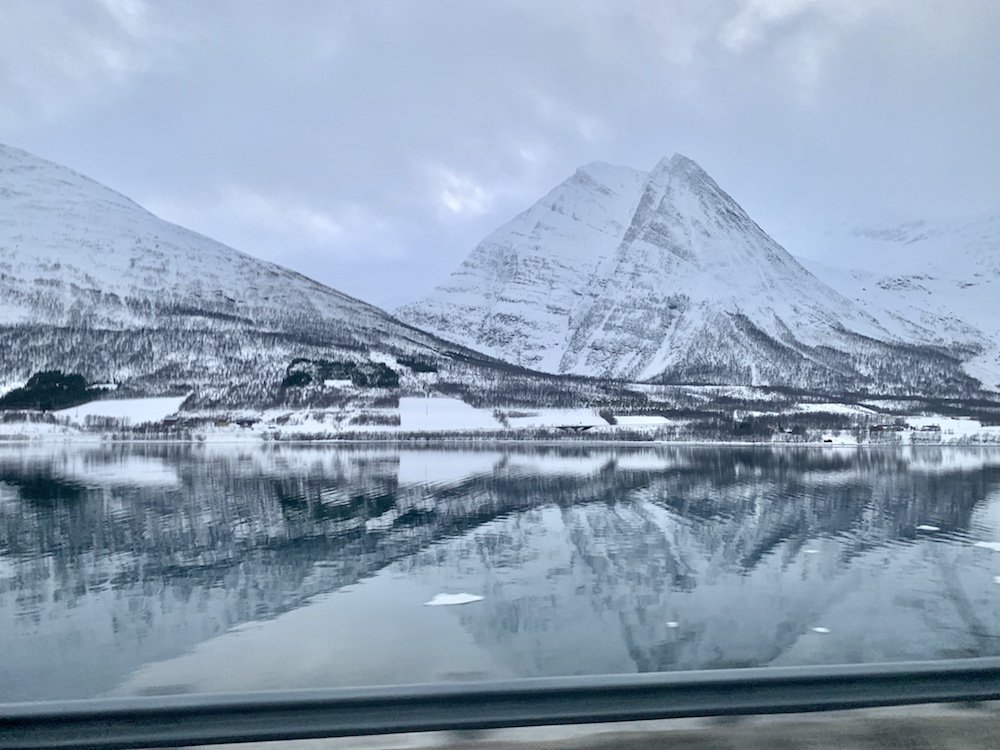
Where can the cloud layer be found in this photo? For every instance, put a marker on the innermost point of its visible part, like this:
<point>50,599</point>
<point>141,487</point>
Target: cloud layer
<point>371,144</point>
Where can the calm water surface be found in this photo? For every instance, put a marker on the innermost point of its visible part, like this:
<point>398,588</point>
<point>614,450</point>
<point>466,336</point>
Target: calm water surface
<point>168,569</point>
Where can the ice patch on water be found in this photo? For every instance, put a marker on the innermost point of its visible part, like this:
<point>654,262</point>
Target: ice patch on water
<point>927,527</point>
<point>811,551</point>
<point>995,546</point>
<point>673,624</point>
<point>824,631</point>
<point>445,600</point>
<point>996,579</point>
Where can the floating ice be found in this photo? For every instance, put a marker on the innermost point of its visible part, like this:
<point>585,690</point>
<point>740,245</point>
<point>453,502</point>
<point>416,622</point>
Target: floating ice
<point>445,600</point>
<point>673,624</point>
<point>926,527</point>
<point>995,546</point>
<point>811,551</point>
<point>996,579</point>
<point>821,630</point>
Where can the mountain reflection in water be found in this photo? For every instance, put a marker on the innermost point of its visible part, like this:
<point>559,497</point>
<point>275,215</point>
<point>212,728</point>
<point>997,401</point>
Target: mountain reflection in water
<point>165,568</point>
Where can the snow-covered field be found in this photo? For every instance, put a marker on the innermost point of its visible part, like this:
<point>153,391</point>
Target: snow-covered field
<point>558,418</point>
<point>642,421</point>
<point>434,414</point>
<point>43,431</point>
<point>948,425</point>
<point>449,414</point>
<point>839,438</point>
<point>132,411</point>
<point>441,416</point>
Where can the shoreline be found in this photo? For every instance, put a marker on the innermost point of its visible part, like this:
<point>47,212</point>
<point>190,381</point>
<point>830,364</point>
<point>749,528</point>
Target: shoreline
<point>92,439</point>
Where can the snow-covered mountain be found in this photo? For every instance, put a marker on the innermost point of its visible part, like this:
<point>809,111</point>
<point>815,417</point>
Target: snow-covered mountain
<point>92,283</point>
<point>657,276</point>
<point>662,276</point>
<point>943,276</point>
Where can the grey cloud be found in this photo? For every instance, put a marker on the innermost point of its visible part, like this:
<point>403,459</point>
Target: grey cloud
<point>372,144</point>
<point>58,55</point>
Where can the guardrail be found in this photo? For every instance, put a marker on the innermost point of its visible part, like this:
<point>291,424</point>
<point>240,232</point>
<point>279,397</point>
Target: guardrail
<point>303,714</point>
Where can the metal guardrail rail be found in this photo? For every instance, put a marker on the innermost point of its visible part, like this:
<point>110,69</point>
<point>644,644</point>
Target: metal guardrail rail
<point>302,714</point>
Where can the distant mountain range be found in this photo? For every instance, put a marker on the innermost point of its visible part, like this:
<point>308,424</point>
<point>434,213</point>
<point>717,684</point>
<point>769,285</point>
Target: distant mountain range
<point>661,276</point>
<point>654,276</point>
<point>941,276</point>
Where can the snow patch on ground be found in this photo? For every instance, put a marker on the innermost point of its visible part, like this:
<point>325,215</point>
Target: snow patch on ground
<point>839,439</point>
<point>558,418</point>
<point>642,421</point>
<point>433,414</point>
<point>6,388</point>
<point>43,431</point>
<point>948,425</point>
<point>134,411</point>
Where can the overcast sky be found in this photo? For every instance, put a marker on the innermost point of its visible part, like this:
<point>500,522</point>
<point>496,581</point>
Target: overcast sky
<point>372,144</point>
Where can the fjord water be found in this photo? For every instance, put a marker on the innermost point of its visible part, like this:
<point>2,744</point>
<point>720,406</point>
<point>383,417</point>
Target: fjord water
<point>158,569</point>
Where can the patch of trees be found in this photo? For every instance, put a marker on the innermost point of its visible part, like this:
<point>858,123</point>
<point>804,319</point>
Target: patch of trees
<point>306,372</point>
<point>49,391</point>
<point>27,417</point>
<point>416,365</point>
<point>819,420</point>
<point>511,390</point>
<point>754,427</point>
<point>368,418</point>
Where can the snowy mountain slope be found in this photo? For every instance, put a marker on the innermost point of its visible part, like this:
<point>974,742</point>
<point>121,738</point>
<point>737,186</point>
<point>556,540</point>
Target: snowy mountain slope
<point>68,245</point>
<point>943,276</point>
<point>91,282</point>
<point>520,286</point>
<point>662,276</point>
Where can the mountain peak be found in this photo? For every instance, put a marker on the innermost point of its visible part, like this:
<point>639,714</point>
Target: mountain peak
<point>678,164</point>
<point>606,175</point>
<point>660,276</point>
<point>26,176</point>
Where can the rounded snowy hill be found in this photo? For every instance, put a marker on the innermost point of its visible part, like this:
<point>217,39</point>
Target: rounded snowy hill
<point>91,282</point>
<point>71,249</point>
<point>662,276</point>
